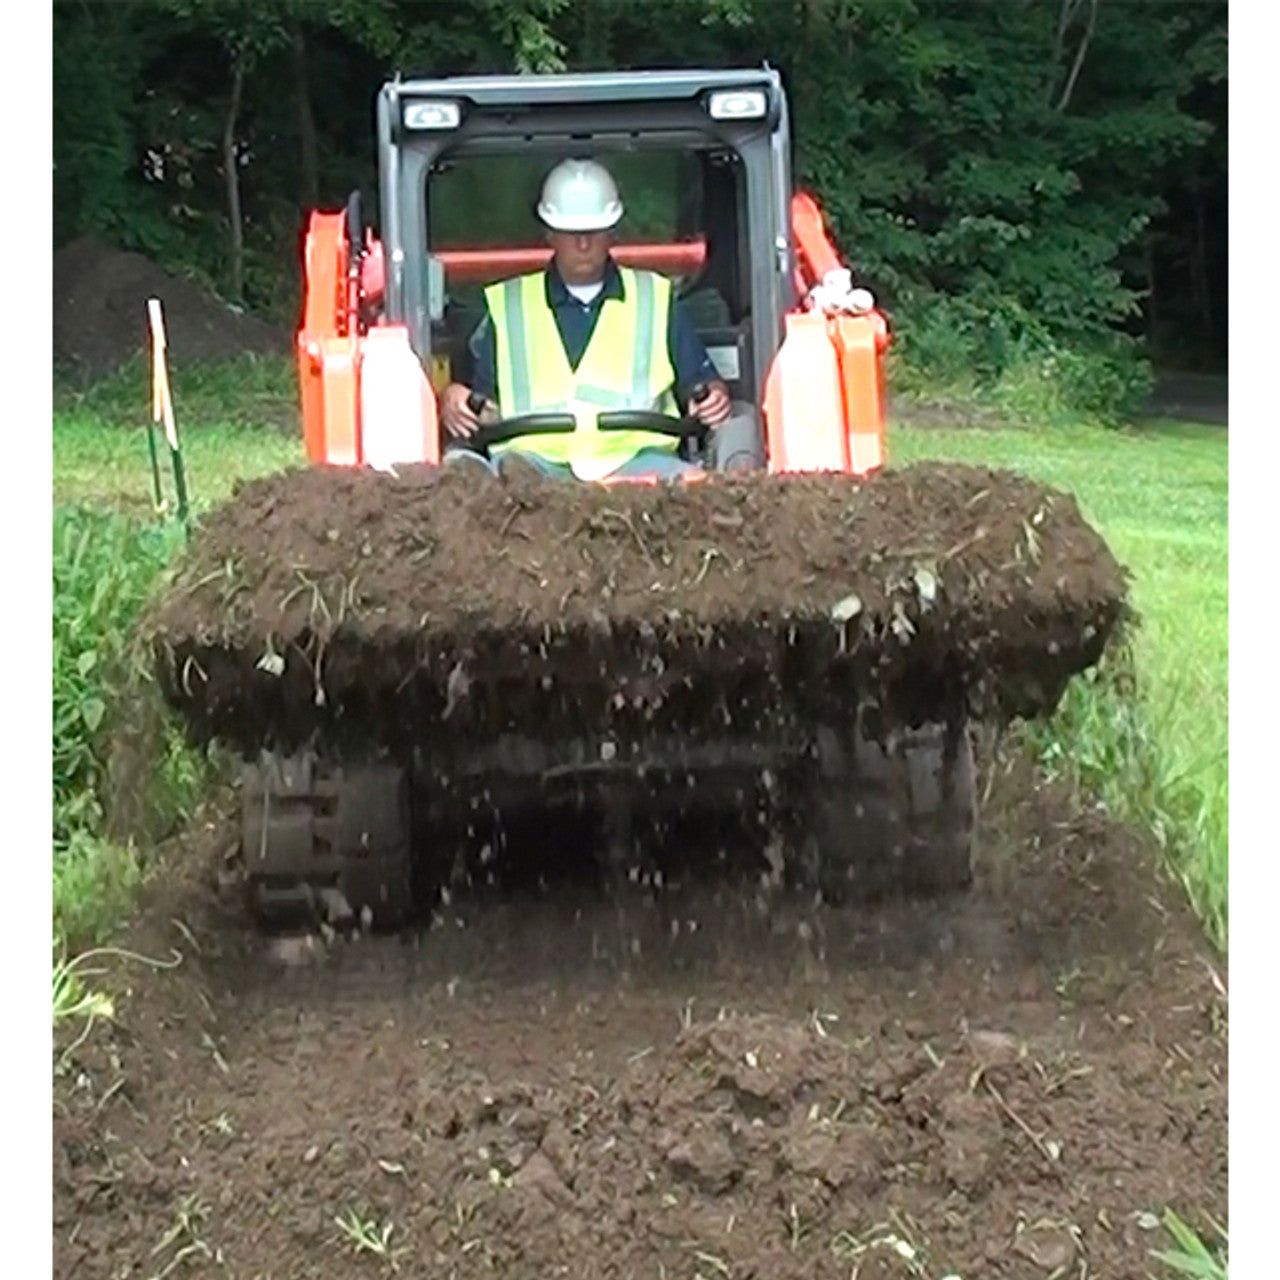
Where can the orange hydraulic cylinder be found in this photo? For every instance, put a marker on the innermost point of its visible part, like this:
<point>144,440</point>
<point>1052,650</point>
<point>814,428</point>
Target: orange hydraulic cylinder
<point>328,358</point>
<point>330,377</point>
<point>365,398</point>
<point>816,252</point>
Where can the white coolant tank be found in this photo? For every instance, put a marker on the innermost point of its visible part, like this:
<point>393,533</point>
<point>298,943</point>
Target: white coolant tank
<point>397,405</point>
<point>808,397</point>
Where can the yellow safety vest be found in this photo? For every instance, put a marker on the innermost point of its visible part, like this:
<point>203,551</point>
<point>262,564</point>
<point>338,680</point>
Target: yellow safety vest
<point>626,366</point>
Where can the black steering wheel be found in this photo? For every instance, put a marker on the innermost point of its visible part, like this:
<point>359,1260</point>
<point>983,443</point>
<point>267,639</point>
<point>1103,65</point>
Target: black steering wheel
<point>690,432</point>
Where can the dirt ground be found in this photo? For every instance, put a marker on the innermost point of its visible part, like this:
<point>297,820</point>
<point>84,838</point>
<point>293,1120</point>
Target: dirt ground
<point>711,1081</point>
<point>100,313</point>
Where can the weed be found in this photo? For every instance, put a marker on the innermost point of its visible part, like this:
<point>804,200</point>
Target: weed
<point>1191,1256</point>
<point>886,1239</point>
<point>221,1125</point>
<point>797,1228</point>
<point>71,999</point>
<point>184,1238</point>
<point>367,1236</point>
<point>704,1257</point>
<point>104,567</point>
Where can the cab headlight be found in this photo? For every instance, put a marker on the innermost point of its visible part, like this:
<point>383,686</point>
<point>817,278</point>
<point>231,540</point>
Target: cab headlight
<point>432,114</point>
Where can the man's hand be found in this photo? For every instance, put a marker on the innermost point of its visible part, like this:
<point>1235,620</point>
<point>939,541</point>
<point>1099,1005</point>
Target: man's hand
<point>456,414</point>
<point>714,407</point>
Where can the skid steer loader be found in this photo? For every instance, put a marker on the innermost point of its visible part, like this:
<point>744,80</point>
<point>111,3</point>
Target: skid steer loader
<point>703,160</point>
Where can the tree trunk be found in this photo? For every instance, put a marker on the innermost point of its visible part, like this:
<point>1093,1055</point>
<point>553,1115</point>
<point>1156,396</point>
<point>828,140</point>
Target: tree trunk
<point>1080,52</point>
<point>231,168</point>
<point>308,149</point>
<point>1200,264</point>
<point>593,52</point>
<point>1153,314</point>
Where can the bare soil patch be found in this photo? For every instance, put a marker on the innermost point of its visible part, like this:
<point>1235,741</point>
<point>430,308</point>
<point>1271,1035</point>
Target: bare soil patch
<point>712,1081</point>
<point>100,313</point>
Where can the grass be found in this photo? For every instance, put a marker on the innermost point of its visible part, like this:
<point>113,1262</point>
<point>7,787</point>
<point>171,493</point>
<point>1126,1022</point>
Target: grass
<point>234,421</point>
<point>367,1236</point>
<point>119,767</point>
<point>72,999</point>
<point>1190,1256</point>
<point>183,1244</point>
<point>1159,496</point>
<point>105,566</point>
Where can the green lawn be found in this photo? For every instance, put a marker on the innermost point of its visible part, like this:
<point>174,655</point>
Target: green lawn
<point>1158,494</point>
<point>96,462</point>
<point>235,420</point>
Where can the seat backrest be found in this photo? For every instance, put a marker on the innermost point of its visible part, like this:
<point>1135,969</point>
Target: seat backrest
<point>730,350</point>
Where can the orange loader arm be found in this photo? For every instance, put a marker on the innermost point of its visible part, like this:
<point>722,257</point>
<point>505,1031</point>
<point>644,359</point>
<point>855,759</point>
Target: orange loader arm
<point>365,397</point>
<point>824,393</point>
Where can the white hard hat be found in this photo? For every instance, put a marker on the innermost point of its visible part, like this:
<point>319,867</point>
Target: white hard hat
<point>580,195</point>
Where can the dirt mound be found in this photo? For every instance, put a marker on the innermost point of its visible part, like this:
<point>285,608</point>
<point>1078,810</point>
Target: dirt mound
<point>100,313</point>
<point>435,606</point>
<point>1036,1074</point>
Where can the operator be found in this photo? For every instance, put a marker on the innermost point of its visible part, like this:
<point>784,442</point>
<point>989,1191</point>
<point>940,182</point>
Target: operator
<point>586,335</point>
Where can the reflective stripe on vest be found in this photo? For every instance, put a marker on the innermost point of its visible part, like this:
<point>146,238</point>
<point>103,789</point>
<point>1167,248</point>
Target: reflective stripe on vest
<point>626,366</point>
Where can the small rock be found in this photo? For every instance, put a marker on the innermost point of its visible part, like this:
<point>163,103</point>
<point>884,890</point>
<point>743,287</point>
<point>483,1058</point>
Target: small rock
<point>810,1153</point>
<point>994,1048</point>
<point>296,951</point>
<point>228,883</point>
<point>456,689</point>
<point>337,909</point>
<point>707,1160</point>
<point>528,1123</point>
<point>557,1145</point>
<point>1050,1248</point>
<point>537,1174</point>
<point>311,1155</point>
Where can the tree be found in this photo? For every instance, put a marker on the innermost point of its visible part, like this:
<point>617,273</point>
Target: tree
<point>1006,176</point>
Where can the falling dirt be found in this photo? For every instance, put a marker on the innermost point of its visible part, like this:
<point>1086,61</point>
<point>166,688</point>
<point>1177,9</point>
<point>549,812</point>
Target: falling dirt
<point>387,612</point>
<point>100,313</point>
<point>715,1081</point>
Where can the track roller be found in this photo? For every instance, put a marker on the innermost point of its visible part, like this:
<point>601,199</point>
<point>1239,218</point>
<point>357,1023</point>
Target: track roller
<point>327,842</point>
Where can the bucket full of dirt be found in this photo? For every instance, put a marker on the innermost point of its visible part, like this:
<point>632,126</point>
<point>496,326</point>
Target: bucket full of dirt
<point>435,610</point>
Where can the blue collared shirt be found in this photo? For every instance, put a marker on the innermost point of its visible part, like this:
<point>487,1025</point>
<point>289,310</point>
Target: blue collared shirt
<point>576,322</point>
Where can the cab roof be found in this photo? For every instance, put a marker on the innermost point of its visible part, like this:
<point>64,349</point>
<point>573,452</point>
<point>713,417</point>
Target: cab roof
<point>585,87</point>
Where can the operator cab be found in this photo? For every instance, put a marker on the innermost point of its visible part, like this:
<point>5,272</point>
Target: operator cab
<point>702,161</point>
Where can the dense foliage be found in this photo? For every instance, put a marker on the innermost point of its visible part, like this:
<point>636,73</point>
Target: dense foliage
<point>1027,184</point>
<point>104,567</point>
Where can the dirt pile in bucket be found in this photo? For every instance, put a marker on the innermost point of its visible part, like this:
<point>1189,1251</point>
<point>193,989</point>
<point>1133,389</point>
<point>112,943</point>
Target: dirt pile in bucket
<point>100,313</point>
<point>432,605</point>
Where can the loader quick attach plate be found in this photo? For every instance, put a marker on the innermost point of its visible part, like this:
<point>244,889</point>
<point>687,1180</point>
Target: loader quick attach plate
<point>364,614</point>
